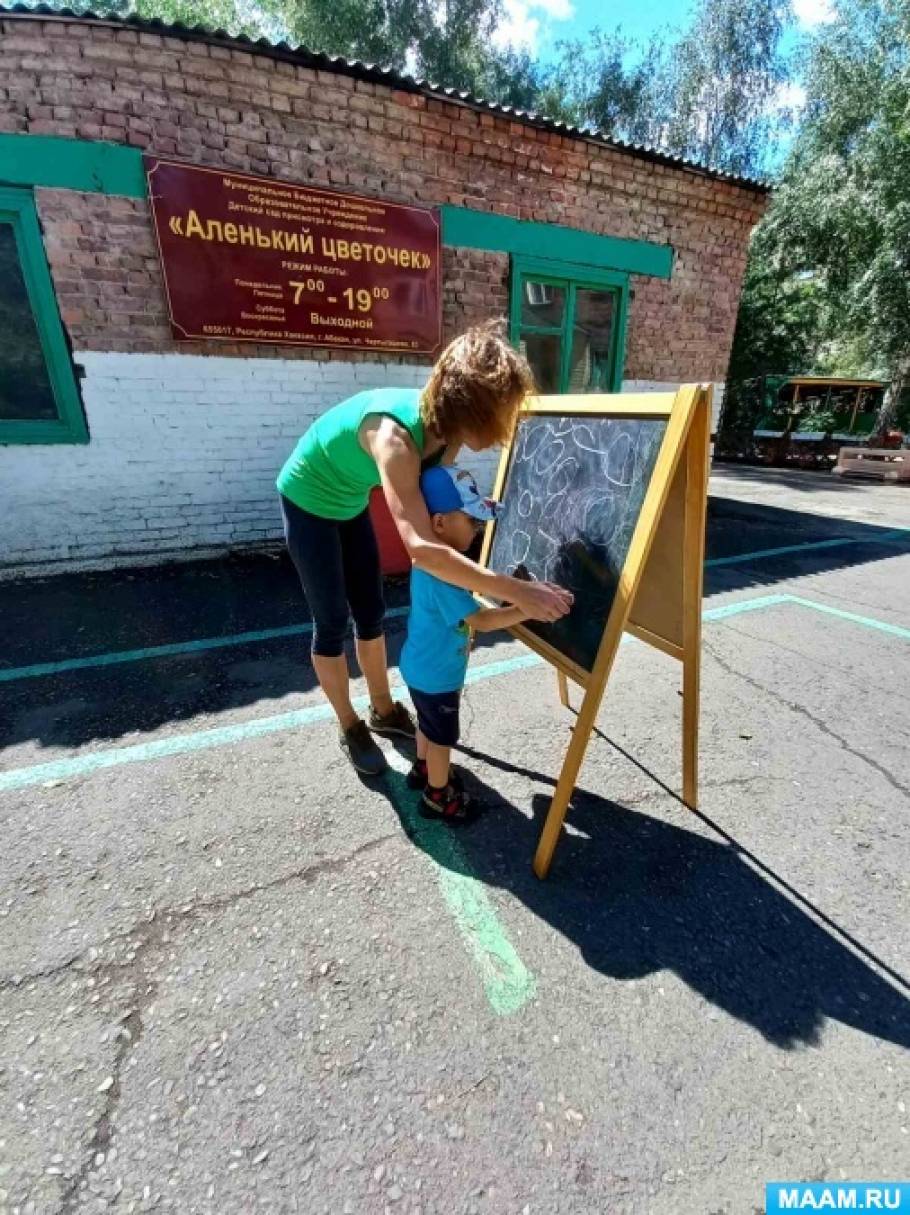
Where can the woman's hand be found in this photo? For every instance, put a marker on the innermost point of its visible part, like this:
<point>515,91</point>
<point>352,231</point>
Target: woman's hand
<point>541,600</point>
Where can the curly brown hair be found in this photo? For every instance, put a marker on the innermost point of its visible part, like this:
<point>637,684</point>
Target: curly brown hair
<point>478,384</point>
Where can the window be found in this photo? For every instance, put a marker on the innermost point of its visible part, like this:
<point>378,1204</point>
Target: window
<point>39,402</point>
<point>570,324</point>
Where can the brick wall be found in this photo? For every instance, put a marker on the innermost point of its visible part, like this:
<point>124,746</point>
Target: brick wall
<point>241,110</point>
<point>186,439</point>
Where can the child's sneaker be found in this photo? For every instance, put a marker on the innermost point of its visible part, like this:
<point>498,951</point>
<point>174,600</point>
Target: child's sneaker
<point>449,805</point>
<point>417,777</point>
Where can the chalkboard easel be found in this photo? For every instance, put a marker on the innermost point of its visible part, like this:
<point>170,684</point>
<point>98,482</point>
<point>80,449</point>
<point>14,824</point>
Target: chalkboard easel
<point>656,592</point>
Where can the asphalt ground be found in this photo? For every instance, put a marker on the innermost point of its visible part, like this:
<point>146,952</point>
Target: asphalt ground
<point>235,978</point>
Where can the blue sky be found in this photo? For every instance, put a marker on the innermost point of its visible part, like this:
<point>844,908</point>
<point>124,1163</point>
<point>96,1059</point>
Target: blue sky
<point>638,19</point>
<point>539,24</point>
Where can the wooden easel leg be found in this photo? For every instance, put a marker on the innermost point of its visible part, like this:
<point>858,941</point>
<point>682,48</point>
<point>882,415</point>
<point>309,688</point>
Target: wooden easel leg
<point>690,731</point>
<point>697,455</point>
<point>563,685</point>
<point>581,733</point>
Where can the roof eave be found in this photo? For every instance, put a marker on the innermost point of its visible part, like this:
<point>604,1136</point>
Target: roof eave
<point>390,77</point>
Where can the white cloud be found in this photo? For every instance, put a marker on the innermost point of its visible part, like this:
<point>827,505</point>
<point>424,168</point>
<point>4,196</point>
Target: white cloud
<point>813,12</point>
<point>559,10</point>
<point>789,97</point>
<point>518,28</point>
<point>521,27</point>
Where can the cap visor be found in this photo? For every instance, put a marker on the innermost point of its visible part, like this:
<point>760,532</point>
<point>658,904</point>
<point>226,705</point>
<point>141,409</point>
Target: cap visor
<point>481,510</point>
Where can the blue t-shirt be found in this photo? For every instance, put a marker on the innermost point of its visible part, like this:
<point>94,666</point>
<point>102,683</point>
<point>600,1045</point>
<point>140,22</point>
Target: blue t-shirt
<point>435,653</point>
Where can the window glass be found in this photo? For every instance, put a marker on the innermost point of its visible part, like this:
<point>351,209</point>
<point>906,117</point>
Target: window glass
<point>543,351</point>
<point>543,305</point>
<point>25,387</point>
<point>592,341</point>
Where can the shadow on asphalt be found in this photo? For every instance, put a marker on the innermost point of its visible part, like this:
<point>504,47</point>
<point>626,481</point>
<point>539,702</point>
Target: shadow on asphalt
<point>105,703</point>
<point>80,615</point>
<point>637,895</point>
<point>736,528</point>
<point>794,480</point>
<point>75,616</point>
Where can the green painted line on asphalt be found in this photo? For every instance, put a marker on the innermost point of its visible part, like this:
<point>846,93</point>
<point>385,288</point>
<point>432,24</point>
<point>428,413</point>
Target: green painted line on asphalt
<point>899,535</point>
<point>768,601</point>
<point>36,670</point>
<point>507,982</point>
<point>175,649</point>
<point>726,610</point>
<point>219,736</point>
<point>868,622</point>
<point>160,748</point>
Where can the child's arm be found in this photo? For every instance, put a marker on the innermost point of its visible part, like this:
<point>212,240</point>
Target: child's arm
<point>487,620</point>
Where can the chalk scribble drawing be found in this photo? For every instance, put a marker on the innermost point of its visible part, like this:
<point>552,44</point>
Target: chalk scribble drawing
<point>572,497</point>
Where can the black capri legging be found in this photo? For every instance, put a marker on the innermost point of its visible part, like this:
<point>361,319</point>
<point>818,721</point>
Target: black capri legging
<point>338,565</point>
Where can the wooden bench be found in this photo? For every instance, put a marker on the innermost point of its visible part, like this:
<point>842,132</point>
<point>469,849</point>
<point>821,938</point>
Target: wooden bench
<point>878,463</point>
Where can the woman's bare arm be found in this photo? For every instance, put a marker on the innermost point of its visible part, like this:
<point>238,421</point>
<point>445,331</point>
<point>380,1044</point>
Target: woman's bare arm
<point>398,462</point>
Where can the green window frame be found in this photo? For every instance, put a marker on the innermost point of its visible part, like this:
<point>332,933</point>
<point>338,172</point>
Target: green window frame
<point>17,208</point>
<point>571,278</point>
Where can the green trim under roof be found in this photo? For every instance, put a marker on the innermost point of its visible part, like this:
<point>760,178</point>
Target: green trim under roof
<point>502,234</point>
<point>71,164</point>
<point>108,168</point>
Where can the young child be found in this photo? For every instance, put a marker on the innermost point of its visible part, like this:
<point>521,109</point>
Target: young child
<point>434,659</point>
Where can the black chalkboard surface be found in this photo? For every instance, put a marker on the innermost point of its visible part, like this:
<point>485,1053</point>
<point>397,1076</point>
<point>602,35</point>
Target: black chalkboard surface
<point>572,495</point>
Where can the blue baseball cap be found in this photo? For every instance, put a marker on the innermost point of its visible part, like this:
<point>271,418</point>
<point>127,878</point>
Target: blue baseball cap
<point>446,488</point>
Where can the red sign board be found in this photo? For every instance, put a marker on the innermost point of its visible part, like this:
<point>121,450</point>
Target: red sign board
<point>252,259</point>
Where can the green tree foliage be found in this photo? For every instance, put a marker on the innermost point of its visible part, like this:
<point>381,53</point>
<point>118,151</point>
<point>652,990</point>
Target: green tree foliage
<point>726,71</point>
<point>843,207</point>
<point>446,41</point>
<point>778,329</point>
<point>827,289</point>
<point>215,14</point>
<point>513,77</point>
<point>782,315</point>
<point>609,83</point>
<point>373,30</point>
<point>452,43</point>
<point>708,94</point>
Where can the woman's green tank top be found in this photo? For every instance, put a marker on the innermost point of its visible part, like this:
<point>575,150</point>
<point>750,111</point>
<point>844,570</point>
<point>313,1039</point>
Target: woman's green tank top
<point>329,474</point>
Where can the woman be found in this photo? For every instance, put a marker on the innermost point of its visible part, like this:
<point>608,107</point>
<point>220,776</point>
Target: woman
<point>385,437</point>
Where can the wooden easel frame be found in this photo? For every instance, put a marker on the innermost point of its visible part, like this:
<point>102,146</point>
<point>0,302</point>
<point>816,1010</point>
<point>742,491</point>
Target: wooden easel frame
<point>659,593</point>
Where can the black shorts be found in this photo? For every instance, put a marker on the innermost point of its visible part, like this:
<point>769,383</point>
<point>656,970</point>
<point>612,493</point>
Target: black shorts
<point>437,715</point>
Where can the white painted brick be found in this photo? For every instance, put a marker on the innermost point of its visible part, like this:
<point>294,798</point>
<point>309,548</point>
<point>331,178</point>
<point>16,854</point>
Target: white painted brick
<point>659,386</point>
<point>184,452</point>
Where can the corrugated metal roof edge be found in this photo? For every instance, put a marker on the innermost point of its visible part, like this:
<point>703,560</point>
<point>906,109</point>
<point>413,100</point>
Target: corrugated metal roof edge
<point>383,75</point>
